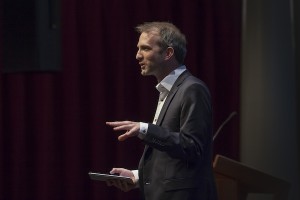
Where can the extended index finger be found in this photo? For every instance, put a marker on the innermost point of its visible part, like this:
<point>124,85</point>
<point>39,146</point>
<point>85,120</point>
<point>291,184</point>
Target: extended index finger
<point>118,123</point>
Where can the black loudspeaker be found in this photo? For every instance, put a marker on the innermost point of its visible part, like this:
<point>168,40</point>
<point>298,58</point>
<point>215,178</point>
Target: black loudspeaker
<point>31,35</point>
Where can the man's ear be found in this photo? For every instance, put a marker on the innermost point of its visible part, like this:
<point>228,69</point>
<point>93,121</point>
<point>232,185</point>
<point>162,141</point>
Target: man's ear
<point>169,53</point>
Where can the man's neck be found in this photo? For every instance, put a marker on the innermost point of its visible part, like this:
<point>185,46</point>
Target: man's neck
<point>166,72</point>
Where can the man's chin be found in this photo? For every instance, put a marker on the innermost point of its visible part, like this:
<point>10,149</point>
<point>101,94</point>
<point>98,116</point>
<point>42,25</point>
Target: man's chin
<point>144,73</point>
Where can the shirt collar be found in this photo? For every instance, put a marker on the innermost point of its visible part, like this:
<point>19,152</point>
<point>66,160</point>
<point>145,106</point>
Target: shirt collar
<point>169,80</point>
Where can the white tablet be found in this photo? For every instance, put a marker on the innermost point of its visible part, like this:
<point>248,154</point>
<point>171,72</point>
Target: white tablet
<point>105,177</point>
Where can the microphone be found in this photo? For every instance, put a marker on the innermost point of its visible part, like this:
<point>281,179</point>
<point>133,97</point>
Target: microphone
<point>224,123</point>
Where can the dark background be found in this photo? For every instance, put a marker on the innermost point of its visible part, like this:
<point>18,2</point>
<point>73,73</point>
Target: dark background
<point>52,123</point>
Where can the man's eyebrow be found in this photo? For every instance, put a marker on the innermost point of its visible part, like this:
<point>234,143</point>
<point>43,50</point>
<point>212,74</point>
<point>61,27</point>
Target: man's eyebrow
<point>143,46</point>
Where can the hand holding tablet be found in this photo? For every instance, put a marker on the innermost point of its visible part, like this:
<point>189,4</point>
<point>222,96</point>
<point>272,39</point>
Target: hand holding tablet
<point>108,177</point>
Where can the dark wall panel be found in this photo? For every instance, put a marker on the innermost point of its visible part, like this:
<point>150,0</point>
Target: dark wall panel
<point>31,31</point>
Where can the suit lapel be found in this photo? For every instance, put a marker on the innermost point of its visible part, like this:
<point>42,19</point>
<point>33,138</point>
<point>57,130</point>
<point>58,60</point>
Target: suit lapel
<point>171,95</point>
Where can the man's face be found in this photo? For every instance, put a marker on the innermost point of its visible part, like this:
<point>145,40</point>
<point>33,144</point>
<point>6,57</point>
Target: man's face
<point>149,54</point>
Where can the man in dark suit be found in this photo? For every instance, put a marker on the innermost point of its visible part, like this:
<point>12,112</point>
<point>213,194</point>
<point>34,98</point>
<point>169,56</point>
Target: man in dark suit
<point>177,160</point>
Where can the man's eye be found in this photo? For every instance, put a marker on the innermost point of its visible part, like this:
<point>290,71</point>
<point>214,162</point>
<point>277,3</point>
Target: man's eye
<point>145,48</point>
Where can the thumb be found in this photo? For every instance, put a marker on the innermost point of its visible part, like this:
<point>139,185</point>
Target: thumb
<point>115,171</point>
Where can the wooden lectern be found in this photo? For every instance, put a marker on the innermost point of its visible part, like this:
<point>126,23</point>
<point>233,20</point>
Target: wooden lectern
<point>235,181</point>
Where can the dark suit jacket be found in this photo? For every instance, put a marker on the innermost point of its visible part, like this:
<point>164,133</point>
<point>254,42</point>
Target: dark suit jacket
<point>177,160</point>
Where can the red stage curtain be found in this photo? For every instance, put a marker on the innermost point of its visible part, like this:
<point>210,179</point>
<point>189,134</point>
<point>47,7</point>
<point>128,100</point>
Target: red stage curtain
<point>52,125</point>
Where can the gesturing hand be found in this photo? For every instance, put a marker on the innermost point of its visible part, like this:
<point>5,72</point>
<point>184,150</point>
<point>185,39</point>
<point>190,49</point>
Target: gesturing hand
<point>131,128</point>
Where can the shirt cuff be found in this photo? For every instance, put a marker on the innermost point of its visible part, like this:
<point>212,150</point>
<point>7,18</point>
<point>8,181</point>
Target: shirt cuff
<point>143,130</point>
<point>136,174</point>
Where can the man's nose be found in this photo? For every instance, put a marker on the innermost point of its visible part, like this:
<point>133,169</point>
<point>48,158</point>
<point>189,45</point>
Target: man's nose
<point>138,55</point>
